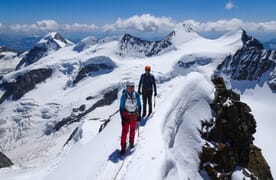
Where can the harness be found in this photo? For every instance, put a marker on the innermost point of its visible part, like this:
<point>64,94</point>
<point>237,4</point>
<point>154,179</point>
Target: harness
<point>131,104</point>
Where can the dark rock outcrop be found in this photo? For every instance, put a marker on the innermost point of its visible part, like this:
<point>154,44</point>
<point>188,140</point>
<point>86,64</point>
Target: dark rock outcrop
<point>229,139</point>
<point>138,47</point>
<point>187,62</point>
<point>252,62</point>
<point>24,83</point>
<point>249,41</point>
<point>107,99</point>
<point>94,67</point>
<point>4,161</point>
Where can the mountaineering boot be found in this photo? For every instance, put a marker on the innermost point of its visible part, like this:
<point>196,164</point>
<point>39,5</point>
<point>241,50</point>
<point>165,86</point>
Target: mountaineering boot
<point>144,114</point>
<point>144,109</point>
<point>123,150</point>
<point>150,111</point>
<point>131,145</point>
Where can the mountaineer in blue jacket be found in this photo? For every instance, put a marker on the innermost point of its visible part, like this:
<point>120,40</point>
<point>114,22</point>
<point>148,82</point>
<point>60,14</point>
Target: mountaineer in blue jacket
<point>130,110</point>
<point>147,81</point>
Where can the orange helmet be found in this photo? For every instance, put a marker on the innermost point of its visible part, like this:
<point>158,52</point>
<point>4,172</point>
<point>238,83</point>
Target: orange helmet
<point>147,68</point>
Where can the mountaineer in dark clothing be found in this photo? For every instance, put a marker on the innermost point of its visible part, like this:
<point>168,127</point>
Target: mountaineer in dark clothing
<point>147,82</point>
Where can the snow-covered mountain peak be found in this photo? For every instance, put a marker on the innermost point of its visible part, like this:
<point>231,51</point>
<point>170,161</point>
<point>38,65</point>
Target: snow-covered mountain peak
<point>56,37</point>
<point>251,63</point>
<point>47,45</point>
<point>89,39</point>
<point>241,35</point>
<point>85,43</point>
<point>250,41</point>
<point>186,28</point>
<point>235,35</point>
<point>134,46</point>
<point>109,39</point>
<point>182,34</point>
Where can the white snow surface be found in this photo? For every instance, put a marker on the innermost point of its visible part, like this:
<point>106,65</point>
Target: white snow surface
<point>8,61</point>
<point>263,102</point>
<point>169,143</point>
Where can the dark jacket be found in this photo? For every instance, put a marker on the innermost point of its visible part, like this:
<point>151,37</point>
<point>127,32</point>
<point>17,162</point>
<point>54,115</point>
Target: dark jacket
<point>147,82</point>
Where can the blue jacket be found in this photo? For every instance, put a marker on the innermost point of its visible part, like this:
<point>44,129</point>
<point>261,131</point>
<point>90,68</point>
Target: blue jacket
<point>147,82</point>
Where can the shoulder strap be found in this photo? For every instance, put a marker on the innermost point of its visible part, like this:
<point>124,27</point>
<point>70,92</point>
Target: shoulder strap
<point>125,97</point>
<point>124,92</point>
<point>136,95</point>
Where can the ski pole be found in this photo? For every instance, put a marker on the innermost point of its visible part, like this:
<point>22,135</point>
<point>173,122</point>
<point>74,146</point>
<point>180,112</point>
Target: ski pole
<point>154,101</point>
<point>138,128</point>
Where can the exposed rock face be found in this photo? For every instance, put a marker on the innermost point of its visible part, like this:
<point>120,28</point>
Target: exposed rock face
<point>4,161</point>
<point>107,99</point>
<point>187,62</point>
<point>134,46</point>
<point>95,66</point>
<point>24,83</point>
<point>46,45</point>
<point>251,62</point>
<point>229,139</point>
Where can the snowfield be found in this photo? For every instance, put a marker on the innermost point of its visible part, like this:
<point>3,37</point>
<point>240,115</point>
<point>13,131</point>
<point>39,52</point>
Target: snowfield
<point>169,143</point>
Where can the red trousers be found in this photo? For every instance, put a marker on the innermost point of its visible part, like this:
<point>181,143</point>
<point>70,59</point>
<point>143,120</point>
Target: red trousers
<point>129,125</point>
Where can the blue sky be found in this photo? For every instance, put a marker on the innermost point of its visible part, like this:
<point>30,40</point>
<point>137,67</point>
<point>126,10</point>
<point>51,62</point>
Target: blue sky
<point>107,11</point>
<point>155,16</point>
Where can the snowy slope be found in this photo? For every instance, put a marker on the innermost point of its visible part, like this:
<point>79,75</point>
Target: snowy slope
<point>263,108</point>
<point>169,141</point>
<point>8,60</point>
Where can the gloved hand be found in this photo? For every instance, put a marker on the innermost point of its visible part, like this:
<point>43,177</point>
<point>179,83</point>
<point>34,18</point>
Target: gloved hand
<point>155,93</point>
<point>139,118</point>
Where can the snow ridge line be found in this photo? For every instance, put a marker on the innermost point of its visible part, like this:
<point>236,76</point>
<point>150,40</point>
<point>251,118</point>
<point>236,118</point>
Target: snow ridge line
<point>137,143</point>
<point>117,173</point>
<point>123,162</point>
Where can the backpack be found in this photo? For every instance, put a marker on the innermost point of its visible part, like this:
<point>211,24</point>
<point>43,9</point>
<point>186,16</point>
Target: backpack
<point>143,80</point>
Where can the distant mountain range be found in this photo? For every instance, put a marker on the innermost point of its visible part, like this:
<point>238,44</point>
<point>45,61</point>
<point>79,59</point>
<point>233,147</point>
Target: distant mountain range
<point>270,44</point>
<point>23,43</point>
<point>19,43</point>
